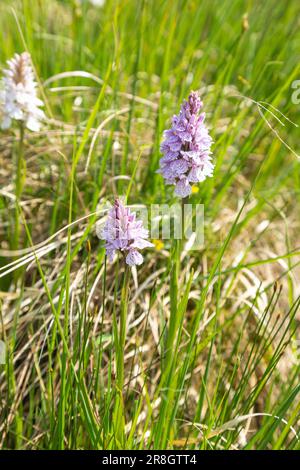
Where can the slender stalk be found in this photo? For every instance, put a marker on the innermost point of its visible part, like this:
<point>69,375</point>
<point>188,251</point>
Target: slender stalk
<point>119,407</point>
<point>174,279</point>
<point>168,378</point>
<point>19,182</point>
<point>122,331</point>
<point>184,201</point>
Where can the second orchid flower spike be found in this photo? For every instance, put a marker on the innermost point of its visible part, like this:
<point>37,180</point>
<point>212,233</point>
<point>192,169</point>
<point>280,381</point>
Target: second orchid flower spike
<point>186,148</point>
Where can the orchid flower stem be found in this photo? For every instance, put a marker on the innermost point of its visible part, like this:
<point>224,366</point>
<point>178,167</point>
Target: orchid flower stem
<point>19,182</point>
<point>119,408</point>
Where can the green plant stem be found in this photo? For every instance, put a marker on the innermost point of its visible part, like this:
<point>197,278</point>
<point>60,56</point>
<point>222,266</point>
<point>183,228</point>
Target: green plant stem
<point>174,279</point>
<point>184,201</point>
<point>119,408</point>
<point>171,333</point>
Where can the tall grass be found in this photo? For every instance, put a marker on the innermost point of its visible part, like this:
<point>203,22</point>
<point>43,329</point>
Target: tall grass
<point>200,350</point>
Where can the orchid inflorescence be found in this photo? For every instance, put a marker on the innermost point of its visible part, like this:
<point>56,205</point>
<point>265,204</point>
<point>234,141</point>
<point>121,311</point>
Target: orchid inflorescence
<point>186,148</point>
<point>186,153</point>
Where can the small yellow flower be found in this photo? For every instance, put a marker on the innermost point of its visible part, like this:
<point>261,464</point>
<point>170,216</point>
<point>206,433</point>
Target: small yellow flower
<point>195,189</point>
<point>158,244</point>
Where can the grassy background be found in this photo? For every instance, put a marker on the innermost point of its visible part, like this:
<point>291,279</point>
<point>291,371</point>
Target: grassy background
<point>231,379</point>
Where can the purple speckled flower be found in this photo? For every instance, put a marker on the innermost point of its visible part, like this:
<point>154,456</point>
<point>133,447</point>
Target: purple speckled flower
<point>186,148</point>
<point>125,233</point>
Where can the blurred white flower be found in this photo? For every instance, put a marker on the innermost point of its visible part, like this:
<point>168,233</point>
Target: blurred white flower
<point>97,3</point>
<point>18,95</point>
